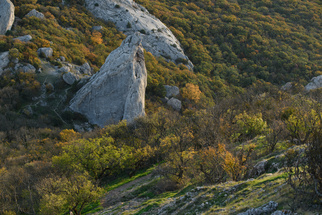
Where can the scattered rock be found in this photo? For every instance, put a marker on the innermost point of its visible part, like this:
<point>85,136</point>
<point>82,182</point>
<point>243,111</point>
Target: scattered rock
<point>84,69</point>
<point>315,83</point>
<point>97,28</point>
<point>7,16</point>
<point>264,209</point>
<point>131,17</point>
<point>64,69</point>
<point>35,13</point>
<point>283,212</point>
<point>69,78</point>
<point>4,61</point>
<point>287,86</point>
<point>25,38</point>
<point>259,168</point>
<point>117,91</point>
<point>45,52</point>
<point>25,68</point>
<point>175,104</point>
<point>62,58</point>
<point>171,91</point>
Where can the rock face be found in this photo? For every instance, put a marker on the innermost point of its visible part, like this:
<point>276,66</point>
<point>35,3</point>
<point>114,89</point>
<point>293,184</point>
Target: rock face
<point>36,13</point>
<point>130,17</point>
<point>25,38</point>
<point>171,91</point>
<point>7,16</point>
<point>315,83</point>
<point>117,91</point>
<point>4,61</point>
<point>46,52</point>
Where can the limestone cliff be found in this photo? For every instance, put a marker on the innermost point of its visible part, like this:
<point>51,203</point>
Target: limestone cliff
<point>130,17</point>
<point>7,16</point>
<point>117,91</point>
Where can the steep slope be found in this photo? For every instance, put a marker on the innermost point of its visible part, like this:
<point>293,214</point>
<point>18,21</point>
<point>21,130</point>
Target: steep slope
<point>117,91</point>
<point>7,15</point>
<point>130,17</point>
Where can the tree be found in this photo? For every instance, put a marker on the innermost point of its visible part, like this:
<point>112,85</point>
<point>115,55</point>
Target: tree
<point>60,194</point>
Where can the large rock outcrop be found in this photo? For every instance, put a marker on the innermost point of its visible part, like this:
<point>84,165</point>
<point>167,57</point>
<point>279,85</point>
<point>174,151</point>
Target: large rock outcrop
<point>7,16</point>
<point>117,91</point>
<point>131,17</point>
<point>315,83</point>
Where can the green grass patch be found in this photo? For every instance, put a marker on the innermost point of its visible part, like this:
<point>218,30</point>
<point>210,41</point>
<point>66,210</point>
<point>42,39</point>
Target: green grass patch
<point>126,179</point>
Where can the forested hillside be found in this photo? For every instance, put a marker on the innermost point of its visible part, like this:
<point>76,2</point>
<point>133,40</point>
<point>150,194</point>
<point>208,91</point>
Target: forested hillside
<point>247,41</point>
<point>239,140</point>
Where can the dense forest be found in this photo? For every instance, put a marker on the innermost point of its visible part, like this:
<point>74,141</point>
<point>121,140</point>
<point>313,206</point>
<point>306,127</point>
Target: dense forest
<point>234,111</point>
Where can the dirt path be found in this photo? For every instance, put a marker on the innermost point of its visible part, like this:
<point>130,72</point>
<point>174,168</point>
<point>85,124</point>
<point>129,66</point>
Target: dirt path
<point>115,196</point>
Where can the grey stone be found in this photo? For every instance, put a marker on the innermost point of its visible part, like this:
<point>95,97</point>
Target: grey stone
<point>97,28</point>
<point>283,212</point>
<point>175,104</point>
<point>131,17</point>
<point>264,209</point>
<point>62,58</point>
<point>259,168</point>
<point>25,38</point>
<point>315,83</point>
<point>47,52</point>
<point>25,68</point>
<point>84,69</point>
<point>287,86</point>
<point>64,69</point>
<point>35,13</point>
<point>117,91</point>
<point>171,91</point>
<point>69,78</point>
<point>7,16</point>
<point>4,61</point>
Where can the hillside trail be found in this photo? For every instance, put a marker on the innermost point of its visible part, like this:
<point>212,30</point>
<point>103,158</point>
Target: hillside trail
<point>115,196</point>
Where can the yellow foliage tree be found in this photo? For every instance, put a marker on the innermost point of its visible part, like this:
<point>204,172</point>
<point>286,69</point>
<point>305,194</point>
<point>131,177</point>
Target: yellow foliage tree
<point>191,92</point>
<point>96,38</point>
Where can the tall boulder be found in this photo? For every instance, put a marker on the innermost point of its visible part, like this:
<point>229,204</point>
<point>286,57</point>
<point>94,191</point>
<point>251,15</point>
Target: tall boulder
<point>131,17</point>
<point>117,91</point>
<point>7,16</point>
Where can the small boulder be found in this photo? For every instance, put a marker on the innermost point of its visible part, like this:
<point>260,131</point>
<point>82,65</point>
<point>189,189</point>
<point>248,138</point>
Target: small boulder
<point>7,16</point>
<point>35,13</point>
<point>25,68</point>
<point>4,61</point>
<point>287,86</point>
<point>46,52</point>
<point>97,28</point>
<point>84,69</point>
<point>171,91</point>
<point>62,58</point>
<point>69,78</point>
<point>259,168</point>
<point>315,83</point>
<point>64,69</point>
<point>25,38</point>
<point>175,104</point>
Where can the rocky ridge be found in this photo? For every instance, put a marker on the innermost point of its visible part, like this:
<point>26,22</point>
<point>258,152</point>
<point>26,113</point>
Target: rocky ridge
<point>131,17</point>
<point>7,16</point>
<point>117,91</point>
